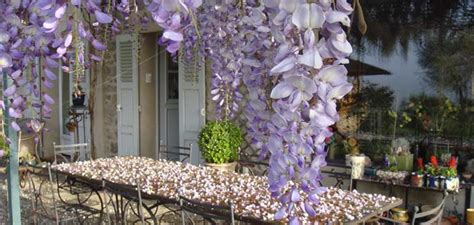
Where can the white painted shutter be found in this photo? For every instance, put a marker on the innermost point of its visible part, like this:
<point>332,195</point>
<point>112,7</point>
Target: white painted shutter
<point>191,107</point>
<point>127,96</point>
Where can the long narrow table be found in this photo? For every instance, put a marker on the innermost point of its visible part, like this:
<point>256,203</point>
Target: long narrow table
<point>249,194</point>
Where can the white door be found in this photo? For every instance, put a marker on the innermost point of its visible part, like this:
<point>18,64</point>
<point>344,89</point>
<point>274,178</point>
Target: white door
<point>169,95</point>
<point>191,108</point>
<point>127,95</point>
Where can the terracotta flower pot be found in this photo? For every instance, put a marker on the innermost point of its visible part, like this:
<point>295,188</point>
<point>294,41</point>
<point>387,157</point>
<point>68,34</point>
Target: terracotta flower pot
<point>223,166</point>
<point>417,179</point>
<point>71,126</point>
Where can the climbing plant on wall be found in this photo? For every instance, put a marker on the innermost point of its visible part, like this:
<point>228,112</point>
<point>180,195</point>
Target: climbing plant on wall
<point>288,54</point>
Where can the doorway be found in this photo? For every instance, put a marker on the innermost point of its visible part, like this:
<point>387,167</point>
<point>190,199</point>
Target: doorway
<point>168,86</point>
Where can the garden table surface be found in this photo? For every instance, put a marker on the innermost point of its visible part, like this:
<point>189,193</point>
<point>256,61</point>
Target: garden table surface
<point>249,194</point>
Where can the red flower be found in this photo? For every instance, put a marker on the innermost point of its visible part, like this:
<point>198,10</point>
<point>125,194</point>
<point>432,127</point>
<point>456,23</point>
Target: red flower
<point>420,163</point>
<point>434,161</point>
<point>327,140</point>
<point>452,162</point>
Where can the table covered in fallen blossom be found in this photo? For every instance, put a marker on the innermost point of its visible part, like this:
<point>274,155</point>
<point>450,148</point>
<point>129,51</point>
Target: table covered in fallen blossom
<point>249,194</point>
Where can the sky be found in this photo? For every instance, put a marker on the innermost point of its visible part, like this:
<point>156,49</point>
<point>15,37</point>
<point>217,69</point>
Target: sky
<point>407,75</point>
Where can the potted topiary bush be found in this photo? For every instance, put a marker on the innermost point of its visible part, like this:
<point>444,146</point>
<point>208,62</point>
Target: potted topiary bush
<point>219,142</point>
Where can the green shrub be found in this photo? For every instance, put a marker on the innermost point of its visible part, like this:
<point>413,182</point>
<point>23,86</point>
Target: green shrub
<point>4,147</point>
<point>219,142</point>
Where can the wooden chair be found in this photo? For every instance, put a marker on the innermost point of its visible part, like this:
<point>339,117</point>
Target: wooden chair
<point>126,199</point>
<point>210,213</point>
<point>71,153</point>
<point>175,153</point>
<point>429,217</point>
<point>44,198</point>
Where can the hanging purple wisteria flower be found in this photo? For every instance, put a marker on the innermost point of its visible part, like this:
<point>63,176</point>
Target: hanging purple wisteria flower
<point>287,56</point>
<point>294,46</point>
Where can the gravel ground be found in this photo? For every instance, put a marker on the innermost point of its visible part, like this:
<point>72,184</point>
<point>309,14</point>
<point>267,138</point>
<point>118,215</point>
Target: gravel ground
<point>25,204</point>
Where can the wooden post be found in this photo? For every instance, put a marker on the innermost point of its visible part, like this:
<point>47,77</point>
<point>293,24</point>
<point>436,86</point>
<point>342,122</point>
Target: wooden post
<point>12,175</point>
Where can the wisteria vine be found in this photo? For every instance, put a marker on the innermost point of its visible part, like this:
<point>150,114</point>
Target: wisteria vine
<point>286,56</point>
<point>297,49</point>
<point>55,34</point>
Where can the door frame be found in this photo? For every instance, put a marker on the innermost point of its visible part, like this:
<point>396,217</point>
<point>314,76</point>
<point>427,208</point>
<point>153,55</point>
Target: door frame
<point>161,93</point>
<point>159,69</point>
<point>64,138</point>
<point>157,99</point>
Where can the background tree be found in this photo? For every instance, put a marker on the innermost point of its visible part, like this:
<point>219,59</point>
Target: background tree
<point>448,63</point>
<point>397,22</point>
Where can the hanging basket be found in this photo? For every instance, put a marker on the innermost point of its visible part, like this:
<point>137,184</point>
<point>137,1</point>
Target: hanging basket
<point>71,125</point>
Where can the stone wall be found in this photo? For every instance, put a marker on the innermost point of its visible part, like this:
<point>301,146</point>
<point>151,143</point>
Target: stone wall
<point>109,87</point>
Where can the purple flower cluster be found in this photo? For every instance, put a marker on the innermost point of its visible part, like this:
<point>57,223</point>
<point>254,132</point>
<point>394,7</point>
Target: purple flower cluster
<point>51,32</point>
<point>22,40</point>
<point>310,78</point>
<point>290,56</point>
<point>174,17</point>
<point>221,42</point>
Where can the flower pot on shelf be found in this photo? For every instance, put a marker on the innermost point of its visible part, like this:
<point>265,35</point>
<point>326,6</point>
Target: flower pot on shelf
<point>404,162</point>
<point>433,181</point>
<point>358,165</point>
<point>426,180</point>
<point>78,100</point>
<point>452,184</point>
<point>442,182</point>
<point>230,167</point>
<point>417,179</point>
